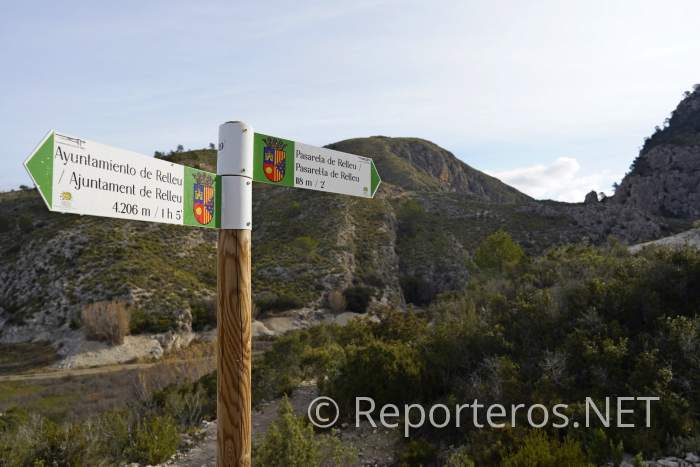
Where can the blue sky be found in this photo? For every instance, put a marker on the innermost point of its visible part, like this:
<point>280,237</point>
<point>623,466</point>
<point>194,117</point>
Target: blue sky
<point>554,97</point>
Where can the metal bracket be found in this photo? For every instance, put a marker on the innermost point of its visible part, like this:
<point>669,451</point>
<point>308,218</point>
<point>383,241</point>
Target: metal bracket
<point>234,166</point>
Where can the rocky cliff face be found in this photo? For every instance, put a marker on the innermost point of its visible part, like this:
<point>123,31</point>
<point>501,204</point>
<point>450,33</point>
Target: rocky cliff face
<point>667,182</point>
<point>665,178</point>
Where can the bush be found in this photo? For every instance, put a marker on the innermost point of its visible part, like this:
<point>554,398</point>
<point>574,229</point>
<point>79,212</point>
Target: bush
<point>42,442</point>
<point>290,442</point>
<point>601,450</point>
<point>106,321</point>
<point>498,252</point>
<point>410,215</point>
<point>460,458</point>
<point>357,298</point>
<point>273,302</point>
<point>388,372</point>
<point>417,290</point>
<point>336,301</point>
<point>539,451</point>
<point>305,246</point>
<point>293,210</point>
<point>6,224</point>
<point>154,441</point>
<point>188,404</point>
<point>12,419</point>
<point>203,314</point>
<point>151,323</point>
<point>417,452</point>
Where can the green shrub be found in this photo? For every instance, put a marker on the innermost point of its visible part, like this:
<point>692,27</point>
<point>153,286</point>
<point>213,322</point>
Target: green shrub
<point>683,445</point>
<point>417,453</point>
<point>154,441</point>
<point>151,323</point>
<point>43,442</point>
<point>410,215</point>
<point>460,458</point>
<point>290,441</point>
<point>357,298</point>
<point>388,372</point>
<point>6,224</point>
<point>417,290</point>
<point>601,449</point>
<point>11,419</point>
<point>203,314</point>
<point>498,252</point>
<point>373,279</point>
<point>188,404</point>
<point>111,435</point>
<point>305,246</point>
<point>638,460</point>
<point>538,450</point>
<point>274,302</point>
<point>281,369</point>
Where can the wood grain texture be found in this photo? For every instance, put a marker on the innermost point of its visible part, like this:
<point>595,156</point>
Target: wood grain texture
<point>234,437</point>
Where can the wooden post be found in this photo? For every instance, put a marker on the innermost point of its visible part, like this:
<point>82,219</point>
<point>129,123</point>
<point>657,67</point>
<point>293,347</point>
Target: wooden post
<point>233,400</point>
<point>234,353</point>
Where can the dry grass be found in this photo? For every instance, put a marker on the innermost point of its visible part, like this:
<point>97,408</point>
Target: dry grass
<point>24,357</point>
<point>79,397</point>
<point>106,321</point>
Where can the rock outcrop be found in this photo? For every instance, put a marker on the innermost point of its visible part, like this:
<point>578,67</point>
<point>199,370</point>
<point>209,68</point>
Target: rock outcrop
<point>665,178</point>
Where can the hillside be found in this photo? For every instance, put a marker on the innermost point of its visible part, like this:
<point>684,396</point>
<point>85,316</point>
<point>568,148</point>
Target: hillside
<point>664,179</point>
<point>689,238</point>
<point>413,241</point>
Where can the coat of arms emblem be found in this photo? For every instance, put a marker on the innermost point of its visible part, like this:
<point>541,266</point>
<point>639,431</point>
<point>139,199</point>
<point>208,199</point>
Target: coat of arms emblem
<point>203,197</point>
<point>274,158</point>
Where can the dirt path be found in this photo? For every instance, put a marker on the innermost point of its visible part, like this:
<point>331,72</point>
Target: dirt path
<point>375,447</point>
<point>62,373</point>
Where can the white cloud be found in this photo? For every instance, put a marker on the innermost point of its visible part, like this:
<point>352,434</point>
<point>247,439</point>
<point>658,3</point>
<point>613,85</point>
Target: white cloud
<point>561,180</point>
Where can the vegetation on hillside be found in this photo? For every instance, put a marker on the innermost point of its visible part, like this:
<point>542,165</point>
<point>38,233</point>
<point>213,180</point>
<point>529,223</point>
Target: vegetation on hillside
<point>682,127</point>
<point>576,322</point>
<point>409,244</point>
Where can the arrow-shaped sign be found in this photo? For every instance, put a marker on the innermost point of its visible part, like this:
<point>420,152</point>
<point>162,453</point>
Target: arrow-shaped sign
<point>289,163</point>
<point>78,176</point>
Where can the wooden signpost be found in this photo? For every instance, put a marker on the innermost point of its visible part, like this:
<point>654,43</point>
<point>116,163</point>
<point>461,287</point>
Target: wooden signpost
<point>78,176</point>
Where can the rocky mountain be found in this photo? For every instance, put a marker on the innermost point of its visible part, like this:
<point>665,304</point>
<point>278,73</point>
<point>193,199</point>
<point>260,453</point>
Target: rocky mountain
<point>313,252</point>
<point>665,178</point>
<point>419,165</point>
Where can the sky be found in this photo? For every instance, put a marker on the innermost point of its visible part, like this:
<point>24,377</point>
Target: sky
<point>552,97</point>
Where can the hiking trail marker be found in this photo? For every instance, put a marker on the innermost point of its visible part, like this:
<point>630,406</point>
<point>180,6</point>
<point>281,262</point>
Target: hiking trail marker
<point>79,176</point>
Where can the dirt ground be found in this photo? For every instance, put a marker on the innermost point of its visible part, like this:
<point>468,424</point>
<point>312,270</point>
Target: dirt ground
<point>375,447</point>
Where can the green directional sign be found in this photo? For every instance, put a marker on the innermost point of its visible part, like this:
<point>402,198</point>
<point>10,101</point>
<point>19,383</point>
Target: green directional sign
<point>289,163</point>
<point>78,176</point>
